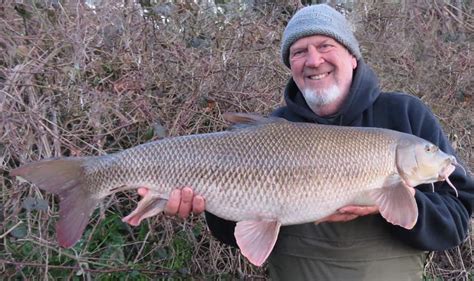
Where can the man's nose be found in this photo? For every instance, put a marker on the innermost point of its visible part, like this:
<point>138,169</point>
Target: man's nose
<point>314,58</point>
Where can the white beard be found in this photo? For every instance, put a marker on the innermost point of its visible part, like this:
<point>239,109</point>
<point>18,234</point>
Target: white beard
<point>318,98</point>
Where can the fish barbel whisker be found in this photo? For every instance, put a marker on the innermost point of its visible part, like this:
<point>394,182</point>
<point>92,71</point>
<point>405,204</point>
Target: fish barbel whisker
<point>452,186</point>
<point>455,163</point>
<point>448,171</point>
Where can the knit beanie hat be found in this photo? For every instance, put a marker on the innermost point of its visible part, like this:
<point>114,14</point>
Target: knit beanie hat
<point>318,20</point>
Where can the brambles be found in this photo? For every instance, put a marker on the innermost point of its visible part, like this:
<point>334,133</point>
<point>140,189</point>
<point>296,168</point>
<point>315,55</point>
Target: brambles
<point>81,81</point>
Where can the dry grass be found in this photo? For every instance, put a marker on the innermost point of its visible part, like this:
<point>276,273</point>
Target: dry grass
<point>80,81</point>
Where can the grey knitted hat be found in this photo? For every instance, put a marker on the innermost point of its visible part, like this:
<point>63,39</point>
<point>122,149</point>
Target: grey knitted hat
<point>318,20</point>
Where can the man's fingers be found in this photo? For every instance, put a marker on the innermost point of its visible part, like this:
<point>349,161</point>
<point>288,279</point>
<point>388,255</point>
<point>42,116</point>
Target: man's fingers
<point>359,210</point>
<point>350,212</point>
<point>174,201</point>
<point>182,202</point>
<point>186,202</point>
<point>349,217</point>
<point>142,191</point>
<point>337,217</point>
<point>198,204</point>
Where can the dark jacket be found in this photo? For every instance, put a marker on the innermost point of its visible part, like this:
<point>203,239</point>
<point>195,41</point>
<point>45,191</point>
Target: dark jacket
<point>443,219</point>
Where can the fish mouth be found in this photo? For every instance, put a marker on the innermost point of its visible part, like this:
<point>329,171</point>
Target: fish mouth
<point>448,170</point>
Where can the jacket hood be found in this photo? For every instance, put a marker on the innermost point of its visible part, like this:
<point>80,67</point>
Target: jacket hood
<point>362,94</point>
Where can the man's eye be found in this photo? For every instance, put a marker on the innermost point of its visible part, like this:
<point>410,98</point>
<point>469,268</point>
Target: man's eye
<point>325,47</point>
<point>297,52</point>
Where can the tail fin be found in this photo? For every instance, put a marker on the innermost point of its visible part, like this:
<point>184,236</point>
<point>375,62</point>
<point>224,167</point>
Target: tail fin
<point>65,177</point>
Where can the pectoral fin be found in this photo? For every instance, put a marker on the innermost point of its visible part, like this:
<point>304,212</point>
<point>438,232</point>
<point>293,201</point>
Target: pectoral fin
<point>150,205</point>
<point>397,203</point>
<point>256,239</point>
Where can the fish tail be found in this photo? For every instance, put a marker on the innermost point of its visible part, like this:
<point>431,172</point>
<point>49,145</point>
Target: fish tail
<point>64,177</point>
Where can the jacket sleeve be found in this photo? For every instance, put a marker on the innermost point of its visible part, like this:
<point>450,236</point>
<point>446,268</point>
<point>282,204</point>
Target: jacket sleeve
<point>444,218</point>
<point>221,229</point>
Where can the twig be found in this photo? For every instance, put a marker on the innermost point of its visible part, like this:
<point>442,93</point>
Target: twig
<point>10,230</point>
<point>163,272</point>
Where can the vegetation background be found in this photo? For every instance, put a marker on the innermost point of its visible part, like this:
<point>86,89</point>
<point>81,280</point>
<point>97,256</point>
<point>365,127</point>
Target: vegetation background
<point>91,78</point>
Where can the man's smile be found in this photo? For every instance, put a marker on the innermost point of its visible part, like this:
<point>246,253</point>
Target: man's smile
<point>318,76</point>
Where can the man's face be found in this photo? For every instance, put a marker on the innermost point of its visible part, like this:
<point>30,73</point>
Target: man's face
<point>322,69</point>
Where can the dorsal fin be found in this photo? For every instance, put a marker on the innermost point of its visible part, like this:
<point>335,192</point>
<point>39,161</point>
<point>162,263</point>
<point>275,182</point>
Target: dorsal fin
<point>242,120</point>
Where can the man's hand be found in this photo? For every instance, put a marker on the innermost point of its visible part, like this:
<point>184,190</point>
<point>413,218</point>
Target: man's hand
<point>181,202</point>
<point>350,212</point>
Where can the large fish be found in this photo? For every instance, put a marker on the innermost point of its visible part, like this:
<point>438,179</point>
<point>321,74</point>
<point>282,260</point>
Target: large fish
<point>263,173</point>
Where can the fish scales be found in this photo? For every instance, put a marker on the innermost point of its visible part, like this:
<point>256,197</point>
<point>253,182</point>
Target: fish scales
<point>248,172</point>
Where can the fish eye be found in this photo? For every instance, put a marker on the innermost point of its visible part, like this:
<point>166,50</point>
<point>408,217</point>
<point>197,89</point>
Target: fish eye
<point>431,148</point>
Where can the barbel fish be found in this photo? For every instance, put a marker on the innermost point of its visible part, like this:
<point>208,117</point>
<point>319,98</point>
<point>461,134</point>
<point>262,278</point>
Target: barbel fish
<point>262,173</point>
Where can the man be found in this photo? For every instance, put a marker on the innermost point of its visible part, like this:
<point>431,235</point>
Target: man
<point>331,84</point>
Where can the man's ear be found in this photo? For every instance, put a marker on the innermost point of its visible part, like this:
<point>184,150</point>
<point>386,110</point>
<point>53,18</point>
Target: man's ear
<point>354,62</point>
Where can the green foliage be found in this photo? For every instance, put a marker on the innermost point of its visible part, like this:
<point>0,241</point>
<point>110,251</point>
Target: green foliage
<point>182,253</point>
<point>108,237</point>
